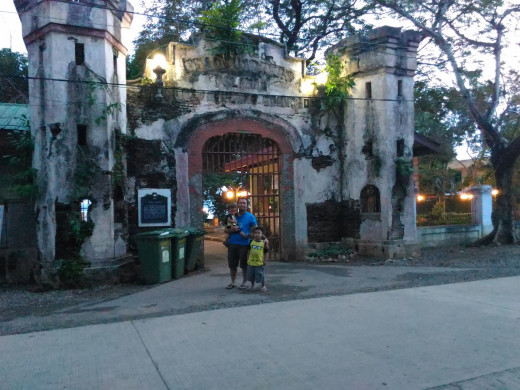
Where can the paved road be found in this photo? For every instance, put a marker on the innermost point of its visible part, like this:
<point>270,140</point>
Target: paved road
<point>206,291</point>
<point>457,336</point>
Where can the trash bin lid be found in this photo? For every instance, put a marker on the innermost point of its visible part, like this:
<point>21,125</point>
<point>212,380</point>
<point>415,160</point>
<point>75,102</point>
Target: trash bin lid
<point>176,232</point>
<point>155,234</point>
<point>195,231</point>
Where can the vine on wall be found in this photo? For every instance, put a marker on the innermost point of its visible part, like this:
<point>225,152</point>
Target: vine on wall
<point>23,181</point>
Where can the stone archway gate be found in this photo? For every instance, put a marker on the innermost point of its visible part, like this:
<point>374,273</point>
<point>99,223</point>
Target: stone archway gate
<point>256,160</point>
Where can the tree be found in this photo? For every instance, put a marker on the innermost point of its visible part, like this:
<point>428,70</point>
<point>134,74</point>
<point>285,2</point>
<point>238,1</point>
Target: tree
<point>212,185</point>
<point>303,26</point>
<point>13,72</point>
<point>467,33</point>
<point>437,117</point>
<point>220,23</point>
<point>174,21</point>
<point>306,26</point>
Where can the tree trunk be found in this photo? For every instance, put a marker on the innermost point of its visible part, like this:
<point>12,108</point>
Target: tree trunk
<point>502,216</point>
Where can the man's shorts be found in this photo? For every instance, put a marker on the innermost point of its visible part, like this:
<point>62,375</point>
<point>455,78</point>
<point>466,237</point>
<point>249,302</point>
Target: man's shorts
<point>237,255</point>
<point>255,274</point>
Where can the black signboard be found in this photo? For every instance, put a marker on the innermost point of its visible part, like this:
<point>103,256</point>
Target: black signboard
<point>154,209</point>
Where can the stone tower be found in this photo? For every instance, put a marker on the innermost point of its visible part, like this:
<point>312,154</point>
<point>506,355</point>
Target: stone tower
<point>77,63</point>
<point>379,138</point>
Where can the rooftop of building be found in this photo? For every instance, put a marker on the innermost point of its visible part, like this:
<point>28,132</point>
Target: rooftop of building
<point>14,116</point>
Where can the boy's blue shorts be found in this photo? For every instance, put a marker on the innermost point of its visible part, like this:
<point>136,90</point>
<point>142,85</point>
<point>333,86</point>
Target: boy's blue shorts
<point>255,274</point>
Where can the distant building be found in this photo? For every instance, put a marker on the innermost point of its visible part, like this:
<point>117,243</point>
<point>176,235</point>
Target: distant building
<point>18,254</point>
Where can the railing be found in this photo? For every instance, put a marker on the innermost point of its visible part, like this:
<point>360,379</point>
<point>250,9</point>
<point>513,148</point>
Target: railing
<point>447,210</point>
<point>445,219</point>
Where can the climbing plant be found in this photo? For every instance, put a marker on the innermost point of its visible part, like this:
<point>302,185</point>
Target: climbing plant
<point>338,86</point>
<point>404,167</point>
<point>23,180</point>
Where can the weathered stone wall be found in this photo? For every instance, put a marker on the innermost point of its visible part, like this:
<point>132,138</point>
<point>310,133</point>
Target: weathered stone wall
<point>331,221</point>
<point>149,165</point>
<point>18,251</point>
<point>57,108</point>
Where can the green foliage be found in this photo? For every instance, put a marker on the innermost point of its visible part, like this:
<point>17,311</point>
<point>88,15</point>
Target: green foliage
<point>80,230</point>
<point>220,23</point>
<point>436,178</point>
<point>378,164</point>
<point>337,87</point>
<point>84,176</point>
<point>212,190</point>
<point>118,171</point>
<point>331,251</point>
<point>404,167</point>
<point>70,270</point>
<point>305,27</point>
<point>23,179</point>
<point>91,91</point>
<point>14,69</point>
<point>438,213</point>
<point>107,111</point>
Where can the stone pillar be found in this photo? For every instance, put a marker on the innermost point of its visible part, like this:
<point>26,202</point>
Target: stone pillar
<point>379,136</point>
<point>482,207</point>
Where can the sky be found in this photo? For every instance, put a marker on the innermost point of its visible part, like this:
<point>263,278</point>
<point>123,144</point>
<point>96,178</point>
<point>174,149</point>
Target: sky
<point>11,28</point>
<point>11,37</point>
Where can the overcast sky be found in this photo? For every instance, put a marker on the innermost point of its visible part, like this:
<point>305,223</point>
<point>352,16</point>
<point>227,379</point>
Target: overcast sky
<point>11,29</point>
<point>11,34</point>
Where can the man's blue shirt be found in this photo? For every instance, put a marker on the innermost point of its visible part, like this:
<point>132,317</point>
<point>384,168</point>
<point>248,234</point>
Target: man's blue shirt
<point>245,223</point>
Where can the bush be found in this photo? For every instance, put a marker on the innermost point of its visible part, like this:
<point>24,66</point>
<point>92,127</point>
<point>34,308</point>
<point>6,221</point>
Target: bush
<point>70,271</point>
<point>331,251</point>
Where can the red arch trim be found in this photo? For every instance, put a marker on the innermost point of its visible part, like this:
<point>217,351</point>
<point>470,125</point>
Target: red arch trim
<point>209,130</point>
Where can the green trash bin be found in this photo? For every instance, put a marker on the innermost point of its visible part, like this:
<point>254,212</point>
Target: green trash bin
<point>178,253</point>
<point>155,256</point>
<point>193,247</point>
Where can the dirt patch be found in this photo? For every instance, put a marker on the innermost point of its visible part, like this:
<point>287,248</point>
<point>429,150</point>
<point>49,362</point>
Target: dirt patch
<point>454,256</point>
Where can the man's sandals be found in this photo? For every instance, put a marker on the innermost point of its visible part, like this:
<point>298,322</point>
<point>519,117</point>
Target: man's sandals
<point>230,286</point>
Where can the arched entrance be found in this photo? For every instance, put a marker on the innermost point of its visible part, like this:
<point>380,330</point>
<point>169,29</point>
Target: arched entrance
<point>190,144</point>
<point>253,163</point>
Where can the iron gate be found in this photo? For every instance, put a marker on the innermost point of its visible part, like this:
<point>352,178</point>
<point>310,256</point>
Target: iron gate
<point>257,161</point>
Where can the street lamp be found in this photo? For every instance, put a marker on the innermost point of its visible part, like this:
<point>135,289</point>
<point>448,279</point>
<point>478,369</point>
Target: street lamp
<point>235,194</point>
<point>159,65</point>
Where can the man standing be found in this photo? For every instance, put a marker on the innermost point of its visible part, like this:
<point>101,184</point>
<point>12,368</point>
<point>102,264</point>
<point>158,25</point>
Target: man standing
<point>239,242</point>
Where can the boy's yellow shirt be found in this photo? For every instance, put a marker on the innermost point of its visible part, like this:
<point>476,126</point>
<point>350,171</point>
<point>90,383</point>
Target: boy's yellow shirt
<point>256,253</point>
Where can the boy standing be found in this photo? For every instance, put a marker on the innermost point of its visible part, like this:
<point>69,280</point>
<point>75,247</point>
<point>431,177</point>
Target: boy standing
<point>256,260</point>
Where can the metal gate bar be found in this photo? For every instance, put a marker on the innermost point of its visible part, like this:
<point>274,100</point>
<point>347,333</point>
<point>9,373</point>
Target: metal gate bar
<point>257,161</point>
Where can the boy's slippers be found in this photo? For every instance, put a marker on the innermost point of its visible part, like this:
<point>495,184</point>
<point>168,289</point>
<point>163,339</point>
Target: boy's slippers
<point>230,286</point>
<point>243,286</point>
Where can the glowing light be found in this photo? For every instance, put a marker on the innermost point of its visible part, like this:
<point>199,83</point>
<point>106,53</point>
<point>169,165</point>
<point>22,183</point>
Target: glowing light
<point>420,198</point>
<point>494,192</point>
<point>230,195</point>
<point>158,61</point>
<point>242,194</point>
<point>307,87</point>
<point>321,78</point>
<point>466,196</point>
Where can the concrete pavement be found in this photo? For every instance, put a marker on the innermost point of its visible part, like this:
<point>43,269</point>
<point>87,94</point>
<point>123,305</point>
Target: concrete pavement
<point>206,291</point>
<point>456,336</point>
